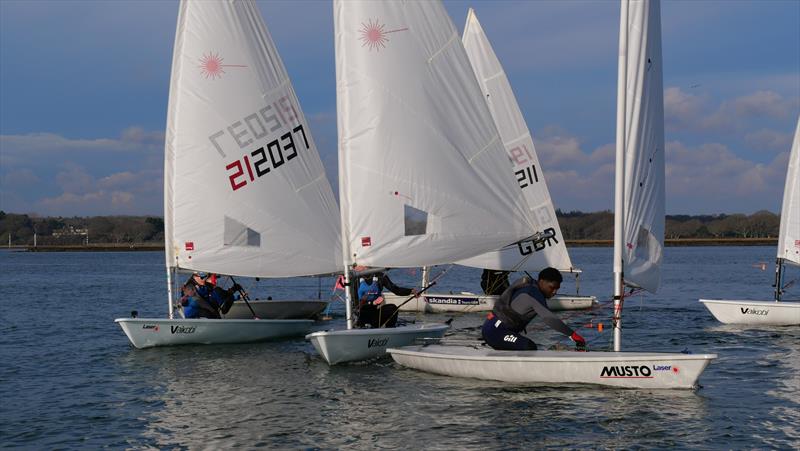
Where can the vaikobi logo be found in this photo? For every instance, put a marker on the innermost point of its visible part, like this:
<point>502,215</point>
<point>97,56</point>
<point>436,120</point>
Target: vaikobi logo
<point>752,311</point>
<point>181,329</point>
<point>377,342</point>
<point>626,371</point>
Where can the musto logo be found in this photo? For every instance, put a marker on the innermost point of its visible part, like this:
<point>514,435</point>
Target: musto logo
<point>377,342</point>
<point>627,371</point>
<point>752,311</point>
<point>181,329</point>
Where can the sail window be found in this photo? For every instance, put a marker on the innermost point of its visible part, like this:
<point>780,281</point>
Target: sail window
<point>238,234</point>
<point>416,221</point>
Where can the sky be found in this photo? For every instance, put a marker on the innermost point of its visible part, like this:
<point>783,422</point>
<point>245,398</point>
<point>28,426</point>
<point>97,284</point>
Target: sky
<point>84,88</point>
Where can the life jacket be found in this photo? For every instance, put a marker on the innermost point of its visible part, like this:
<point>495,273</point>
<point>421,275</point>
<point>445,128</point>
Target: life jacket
<point>372,290</point>
<point>502,307</point>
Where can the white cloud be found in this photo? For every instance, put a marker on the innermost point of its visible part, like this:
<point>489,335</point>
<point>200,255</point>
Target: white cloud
<point>768,139</point>
<point>688,111</point>
<point>55,175</point>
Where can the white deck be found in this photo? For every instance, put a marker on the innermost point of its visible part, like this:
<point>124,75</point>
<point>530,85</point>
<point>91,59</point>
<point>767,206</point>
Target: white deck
<point>149,332</point>
<point>617,369</point>
<point>339,346</point>
<point>768,313</point>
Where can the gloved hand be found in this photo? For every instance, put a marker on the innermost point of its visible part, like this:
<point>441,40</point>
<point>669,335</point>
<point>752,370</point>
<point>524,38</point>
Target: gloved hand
<point>236,287</point>
<point>580,342</point>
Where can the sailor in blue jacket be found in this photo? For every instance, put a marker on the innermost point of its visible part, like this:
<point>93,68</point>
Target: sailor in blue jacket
<point>372,311</point>
<point>519,305</point>
<point>202,298</point>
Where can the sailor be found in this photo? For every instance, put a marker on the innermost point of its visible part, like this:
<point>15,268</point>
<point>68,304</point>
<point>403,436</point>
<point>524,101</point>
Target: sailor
<point>373,312</point>
<point>494,282</point>
<point>518,306</point>
<point>202,298</point>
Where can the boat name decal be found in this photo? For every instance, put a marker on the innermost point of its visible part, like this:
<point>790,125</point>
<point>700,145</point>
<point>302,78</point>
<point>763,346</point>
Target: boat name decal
<point>182,329</point>
<point>457,301</point>
<point>529,246</point>
<point>674,369</point>
<point>752,311</point>
<point>377,342</point>
<point>626,371</point>
<point>154,327</point>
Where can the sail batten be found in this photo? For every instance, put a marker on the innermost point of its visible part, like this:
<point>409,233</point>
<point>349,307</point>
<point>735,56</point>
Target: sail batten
<point>245,189</point>
<point>525,167</point>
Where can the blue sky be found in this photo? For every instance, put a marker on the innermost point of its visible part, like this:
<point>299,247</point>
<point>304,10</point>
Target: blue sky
<point>84,87</point>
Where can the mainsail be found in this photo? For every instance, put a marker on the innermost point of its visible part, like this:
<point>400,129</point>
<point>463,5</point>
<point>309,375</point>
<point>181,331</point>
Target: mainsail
<point>643,175</point>
<point>789,236</point>
<point>423,175</point>
<point>526,169</point>
<point>245,191</point>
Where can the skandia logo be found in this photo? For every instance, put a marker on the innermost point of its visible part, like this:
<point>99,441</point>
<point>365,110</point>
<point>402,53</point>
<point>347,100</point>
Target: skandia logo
<point>377,342</point>
<point>626,371</point>
<point>752,311</point>
<point>454,301</point>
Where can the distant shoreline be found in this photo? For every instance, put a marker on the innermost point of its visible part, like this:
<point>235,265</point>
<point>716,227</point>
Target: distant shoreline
<point>154,247</point>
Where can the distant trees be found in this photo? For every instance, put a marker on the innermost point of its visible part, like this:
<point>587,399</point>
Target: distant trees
<point>575,225</point>
<point>74,231</point>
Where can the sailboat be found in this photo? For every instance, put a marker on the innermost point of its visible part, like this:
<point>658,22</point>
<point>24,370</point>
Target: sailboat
<point>778,312</point>
<point>245,191</point>
<point>423,177</point>
<point>638,243</point>
<point>518,143</point>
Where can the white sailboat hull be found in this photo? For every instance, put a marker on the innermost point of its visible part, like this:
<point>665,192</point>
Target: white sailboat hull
<point>768,313</point>
<point>616,369</point>
<point>278,309</point>
<point>149,332</point>
<point>354,345</point>
<point>469,302</point>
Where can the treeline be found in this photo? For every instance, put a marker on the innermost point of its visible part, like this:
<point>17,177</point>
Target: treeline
<point>575,225</point>
<point>77,230</point>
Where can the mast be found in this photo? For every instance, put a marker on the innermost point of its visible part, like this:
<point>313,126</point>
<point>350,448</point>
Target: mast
<point>619,171</point>
<point>778,277</point>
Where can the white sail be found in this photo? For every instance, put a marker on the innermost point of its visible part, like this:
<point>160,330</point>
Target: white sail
<point>644,175</point>
<point>789,237</point>
<point>423,179</point>
<point>526,169</point>
<point>245,191</point>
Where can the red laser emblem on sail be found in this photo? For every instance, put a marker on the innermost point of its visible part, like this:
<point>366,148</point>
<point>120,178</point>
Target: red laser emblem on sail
<point>211,65</point>
<point>373,34</point>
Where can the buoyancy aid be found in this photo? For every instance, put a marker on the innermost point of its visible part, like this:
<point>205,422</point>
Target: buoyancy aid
<point>371,290</point>
<point>502,307</point>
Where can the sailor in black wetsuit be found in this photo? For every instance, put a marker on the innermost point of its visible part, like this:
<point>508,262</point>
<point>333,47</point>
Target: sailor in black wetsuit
<point>518,306</point>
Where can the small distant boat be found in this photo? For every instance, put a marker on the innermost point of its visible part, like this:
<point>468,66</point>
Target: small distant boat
<point>278,309</point>
<point>245,192</point>
<point>638,243</point>
<point>466,302</point>
<point>778,312</point>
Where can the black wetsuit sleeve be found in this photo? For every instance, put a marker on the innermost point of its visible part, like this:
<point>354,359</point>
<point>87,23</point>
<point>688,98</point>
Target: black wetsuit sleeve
<point>546,315</point>
<point>389,285</point>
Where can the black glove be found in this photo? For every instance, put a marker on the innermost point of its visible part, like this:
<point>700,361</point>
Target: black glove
<point>236,287</point>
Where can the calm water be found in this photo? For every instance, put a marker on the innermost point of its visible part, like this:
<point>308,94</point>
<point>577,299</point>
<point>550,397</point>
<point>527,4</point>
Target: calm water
<point>69,378</point>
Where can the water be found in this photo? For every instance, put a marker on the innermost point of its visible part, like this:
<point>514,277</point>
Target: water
<point>69,378</point>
